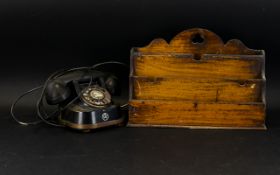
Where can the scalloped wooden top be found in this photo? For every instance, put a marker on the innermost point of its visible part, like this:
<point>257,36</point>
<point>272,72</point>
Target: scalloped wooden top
<point>199,41</point>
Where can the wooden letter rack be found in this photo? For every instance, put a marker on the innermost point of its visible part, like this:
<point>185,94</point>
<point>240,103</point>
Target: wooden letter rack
<point>197,81</point>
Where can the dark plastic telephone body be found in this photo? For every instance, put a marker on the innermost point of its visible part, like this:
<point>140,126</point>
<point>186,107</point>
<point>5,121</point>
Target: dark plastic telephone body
<point>80,115</point>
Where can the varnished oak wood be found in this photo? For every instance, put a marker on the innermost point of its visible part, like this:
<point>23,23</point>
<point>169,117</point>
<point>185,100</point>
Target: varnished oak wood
<point>193,89</point>
<point>197,83</point>
<point>182,113</point>
<point>182,43</point>
<point>209,66</point>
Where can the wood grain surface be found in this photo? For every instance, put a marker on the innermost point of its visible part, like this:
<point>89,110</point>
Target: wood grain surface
<point>182,113</point>
<point>210,44</point>
<point>210,66</point>
<point>207,90</point>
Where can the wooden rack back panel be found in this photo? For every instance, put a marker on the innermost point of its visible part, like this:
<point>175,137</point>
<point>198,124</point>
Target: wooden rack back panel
<point>197,81</point>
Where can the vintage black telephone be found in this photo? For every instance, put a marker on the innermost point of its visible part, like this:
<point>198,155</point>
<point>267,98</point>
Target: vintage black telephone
<point>86,99</point>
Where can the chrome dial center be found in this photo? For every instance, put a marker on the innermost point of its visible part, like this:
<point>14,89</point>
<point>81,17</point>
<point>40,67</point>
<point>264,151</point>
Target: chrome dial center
<point>96,96</point>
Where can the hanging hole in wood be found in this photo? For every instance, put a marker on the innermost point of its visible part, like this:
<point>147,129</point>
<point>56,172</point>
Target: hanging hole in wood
<point>197,39</point>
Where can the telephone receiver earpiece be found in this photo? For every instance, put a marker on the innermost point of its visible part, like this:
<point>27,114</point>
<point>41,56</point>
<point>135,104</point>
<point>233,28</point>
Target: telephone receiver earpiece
<point>57,92</point>
<point>111,84</point>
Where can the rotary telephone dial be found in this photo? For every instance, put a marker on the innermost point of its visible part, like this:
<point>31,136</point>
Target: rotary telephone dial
<point>85,98</point>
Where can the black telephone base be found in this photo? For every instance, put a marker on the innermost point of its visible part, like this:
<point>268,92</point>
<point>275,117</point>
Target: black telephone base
<point>85,118</point>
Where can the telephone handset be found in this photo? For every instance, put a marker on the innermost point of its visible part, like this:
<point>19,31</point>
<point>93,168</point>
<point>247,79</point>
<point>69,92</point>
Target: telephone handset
<point>64,87</point>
